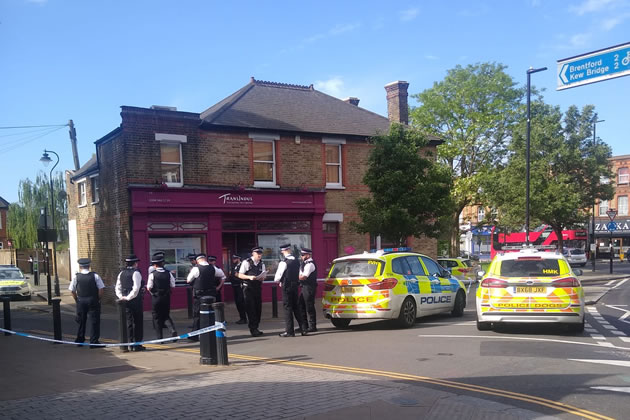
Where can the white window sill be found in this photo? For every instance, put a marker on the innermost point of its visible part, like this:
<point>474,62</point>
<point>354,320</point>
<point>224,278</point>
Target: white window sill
<point>174,184</point>
<point>335,187</point>
<point>265,185</point>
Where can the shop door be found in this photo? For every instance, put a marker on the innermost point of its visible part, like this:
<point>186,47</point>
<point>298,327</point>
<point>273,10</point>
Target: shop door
<point>331,247</point>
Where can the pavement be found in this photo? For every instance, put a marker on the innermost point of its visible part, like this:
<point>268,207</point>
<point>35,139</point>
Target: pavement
<point>49,381</point>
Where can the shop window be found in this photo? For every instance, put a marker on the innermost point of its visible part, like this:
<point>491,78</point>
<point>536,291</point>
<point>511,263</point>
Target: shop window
<point>330,227</point>
<point>623,176</point>
<point>603,207</point>
<point>171,164</point>
<point>271,250</point>
<point>82,198</point>
<point>264,159</point>
<point>95,189</point>
<point>622,205</point>
<point>176,250</point>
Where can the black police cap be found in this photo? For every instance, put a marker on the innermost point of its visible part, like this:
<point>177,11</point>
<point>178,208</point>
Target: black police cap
<point>285,247</point>
<point>257,249</point>
<point>132,258</point>
<point>84,262</point>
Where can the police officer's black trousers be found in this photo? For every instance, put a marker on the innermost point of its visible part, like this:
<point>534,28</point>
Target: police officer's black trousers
<point>307,304</point>
<point>134,319</point>
<point>291,308</point>
<point>91,305</point>
<point>252,294</point>
<point>161,312</point>
<point>239,300</point>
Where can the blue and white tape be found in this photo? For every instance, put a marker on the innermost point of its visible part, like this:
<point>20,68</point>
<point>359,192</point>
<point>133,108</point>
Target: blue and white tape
<point>219,327</point>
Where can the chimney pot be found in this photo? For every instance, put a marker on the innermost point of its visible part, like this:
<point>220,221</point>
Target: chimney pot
<point>397,106</point>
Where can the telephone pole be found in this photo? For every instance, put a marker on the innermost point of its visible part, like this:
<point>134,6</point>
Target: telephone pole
<point>73,140</point>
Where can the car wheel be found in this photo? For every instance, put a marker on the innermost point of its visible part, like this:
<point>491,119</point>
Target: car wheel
<point>576,328</point>
<point>408,315</point>
<point>583,265</point>
<point>459,305</point>
<point>484,326</point>
<point>340,322</point>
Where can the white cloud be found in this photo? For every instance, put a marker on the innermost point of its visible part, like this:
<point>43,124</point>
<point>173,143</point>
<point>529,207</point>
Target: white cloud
<point>409,14</point>
<point>338,29</point>
<point>332,86</point>
<point>609,24</point>
<point>590,6</point>
<point>431,57</point>
<point>580,40</point>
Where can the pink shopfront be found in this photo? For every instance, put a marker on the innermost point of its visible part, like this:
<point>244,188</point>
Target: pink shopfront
<point>222,223</point>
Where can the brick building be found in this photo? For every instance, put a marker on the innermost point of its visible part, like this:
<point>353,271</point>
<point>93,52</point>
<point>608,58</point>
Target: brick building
<point>271,163</point>
<point>620,166</point>
<point>4,236</point>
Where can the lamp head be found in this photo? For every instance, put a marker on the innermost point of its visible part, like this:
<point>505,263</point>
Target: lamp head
<point>45,159</point>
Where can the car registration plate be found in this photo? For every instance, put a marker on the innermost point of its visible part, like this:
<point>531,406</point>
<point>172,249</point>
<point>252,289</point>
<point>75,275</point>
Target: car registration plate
<point>347,290</point>
<point>531,289</point>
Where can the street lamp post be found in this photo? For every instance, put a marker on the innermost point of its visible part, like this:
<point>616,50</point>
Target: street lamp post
<point>592,241</point>
<point>45,159</point>
<point>529,91</point>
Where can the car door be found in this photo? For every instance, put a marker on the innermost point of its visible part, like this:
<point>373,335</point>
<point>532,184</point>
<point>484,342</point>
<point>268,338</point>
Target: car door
<point>442,297</point>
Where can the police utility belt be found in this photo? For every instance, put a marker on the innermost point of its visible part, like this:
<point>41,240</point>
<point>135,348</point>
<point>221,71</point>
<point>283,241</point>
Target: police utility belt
<point>161,293</point>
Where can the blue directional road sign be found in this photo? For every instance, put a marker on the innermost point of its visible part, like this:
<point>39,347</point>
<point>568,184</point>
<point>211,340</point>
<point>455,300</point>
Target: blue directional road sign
<point>594,67</point>
<point>611,226</point>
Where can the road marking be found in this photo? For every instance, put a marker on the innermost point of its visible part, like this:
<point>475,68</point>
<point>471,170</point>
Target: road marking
<point>618,332</point>
<point>610,327</point>
<point>625,339</point>
<point>590,330</point>
<point>598,337</point>
<point>623,317</point>
<point>621,283</point>
<point>606,344</point>
<point>624,363</point>
<point>613,388</point>
<point>610,282</point>
<point>498,337</point>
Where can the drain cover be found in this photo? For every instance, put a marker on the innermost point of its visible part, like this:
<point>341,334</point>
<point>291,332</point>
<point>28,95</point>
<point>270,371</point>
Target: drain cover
<point>109,369</point>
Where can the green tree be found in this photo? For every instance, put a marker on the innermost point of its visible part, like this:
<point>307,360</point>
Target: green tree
<point>23,216</point>
<point>472,110</point>
<point>410,191</point>
<point>566,166</point>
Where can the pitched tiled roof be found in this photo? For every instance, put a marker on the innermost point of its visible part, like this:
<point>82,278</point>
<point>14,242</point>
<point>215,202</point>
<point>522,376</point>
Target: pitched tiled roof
<point>278,106</point>
<point>4,204</point>
<point>90,167</point>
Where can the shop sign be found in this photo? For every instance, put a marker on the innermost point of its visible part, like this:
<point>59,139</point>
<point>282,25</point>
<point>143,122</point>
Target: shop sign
<point>238,199</point>
<point>620,227</point>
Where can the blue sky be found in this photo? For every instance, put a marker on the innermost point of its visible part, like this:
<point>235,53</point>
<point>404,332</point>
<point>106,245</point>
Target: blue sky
<point>82,60</point>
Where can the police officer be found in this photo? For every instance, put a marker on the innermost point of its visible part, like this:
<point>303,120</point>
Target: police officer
<point>308,281</point>
<point>288,275</point>
<point>204,283</point>
<point>219,274</point>
<point>87,291</point>
<point>159,284</point>
<point>128,287</point>
<point>169,321</point>
<point>253,272</point>
<point>237,289</point>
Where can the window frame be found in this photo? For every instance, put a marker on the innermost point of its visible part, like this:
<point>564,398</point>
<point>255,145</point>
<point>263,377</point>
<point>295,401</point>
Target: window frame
<point>604,208</point>
<point>268,138</point>
<point>172,139</point>
<point>626,176</point>
<point>481,211</point>
<point>96,196</point>
<point>82,195</point>
<point>339,142</point>
<point>622,211</point>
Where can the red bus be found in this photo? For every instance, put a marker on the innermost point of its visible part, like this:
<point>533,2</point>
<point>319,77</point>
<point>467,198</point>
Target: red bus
<point>543,237</point>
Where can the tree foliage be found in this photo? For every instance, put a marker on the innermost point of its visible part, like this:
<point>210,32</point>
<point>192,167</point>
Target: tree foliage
<point>473,110</point>
<point>410,191</point>
<point>23,216</point>
<point>566,166</point>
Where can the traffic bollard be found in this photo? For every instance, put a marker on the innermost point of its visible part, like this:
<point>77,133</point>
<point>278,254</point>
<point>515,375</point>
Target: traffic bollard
<point>36,277</point>
<point>274,301</point>
<point>56,310</point>
<point>6,303</point>
<point>122,323</point>
<point>222,353</point>
<point>189,300</point>
<point>207,341</point>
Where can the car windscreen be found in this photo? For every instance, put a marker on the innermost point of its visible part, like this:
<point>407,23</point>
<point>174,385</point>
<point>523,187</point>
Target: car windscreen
<point>577,252</point>
<point>530,268</point>
<point>11,274</point>
<point>356,268</point>
<point>467,263</point>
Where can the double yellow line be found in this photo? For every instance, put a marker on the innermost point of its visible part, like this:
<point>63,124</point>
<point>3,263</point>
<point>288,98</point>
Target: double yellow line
<point>407,377</point>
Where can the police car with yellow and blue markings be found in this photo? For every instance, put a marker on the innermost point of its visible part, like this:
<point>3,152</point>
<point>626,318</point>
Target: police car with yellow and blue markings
<point>393,283</point>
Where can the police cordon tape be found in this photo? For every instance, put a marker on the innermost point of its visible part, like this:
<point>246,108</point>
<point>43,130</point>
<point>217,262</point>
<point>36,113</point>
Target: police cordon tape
<point>218,326</point>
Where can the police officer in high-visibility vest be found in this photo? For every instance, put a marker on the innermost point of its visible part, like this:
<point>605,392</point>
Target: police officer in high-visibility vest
<point>159,284</point>
<point>253,272</point>
<point>204,283</point>
<point>87,291</point>
<point>308,281</point>
<point>128,288</point>
<point>288,275</point>
<point>237,289</point>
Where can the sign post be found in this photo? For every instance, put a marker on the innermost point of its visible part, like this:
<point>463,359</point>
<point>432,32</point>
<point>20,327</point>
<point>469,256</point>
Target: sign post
<point>612,213</point>
<point>596,66</point>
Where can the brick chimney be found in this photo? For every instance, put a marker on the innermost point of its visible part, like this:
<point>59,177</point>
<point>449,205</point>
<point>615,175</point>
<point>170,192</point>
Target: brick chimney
<point>397,107</point>
<point>352,100</point>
